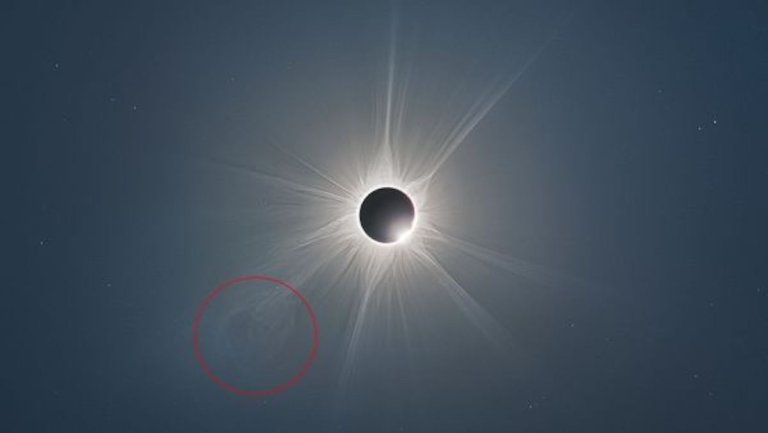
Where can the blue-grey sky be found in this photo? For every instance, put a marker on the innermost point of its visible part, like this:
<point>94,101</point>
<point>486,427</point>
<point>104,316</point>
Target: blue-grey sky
<point>590,255</point>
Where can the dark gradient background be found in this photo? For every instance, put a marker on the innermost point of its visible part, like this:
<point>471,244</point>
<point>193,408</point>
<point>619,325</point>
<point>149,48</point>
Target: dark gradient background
<point>632,155</point>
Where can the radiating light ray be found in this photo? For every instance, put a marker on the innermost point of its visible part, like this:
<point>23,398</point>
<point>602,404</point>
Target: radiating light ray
<point>322,175</point>
<point>537,274</point>
<point>491,329</point>
<point>475,115</point>
<point>387,142</point>
<point>288,185</point>
<point>353,340</point>
<point>324,232</point>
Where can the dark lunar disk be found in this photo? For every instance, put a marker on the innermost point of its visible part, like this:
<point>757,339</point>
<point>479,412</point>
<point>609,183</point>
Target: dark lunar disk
<point>386,215</point>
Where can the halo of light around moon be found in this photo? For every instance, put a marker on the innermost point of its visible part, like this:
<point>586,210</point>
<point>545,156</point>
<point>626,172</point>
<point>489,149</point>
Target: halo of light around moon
<point>387,215</point>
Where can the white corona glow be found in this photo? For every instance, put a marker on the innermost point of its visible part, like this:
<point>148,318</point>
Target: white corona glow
<point>319,235</point>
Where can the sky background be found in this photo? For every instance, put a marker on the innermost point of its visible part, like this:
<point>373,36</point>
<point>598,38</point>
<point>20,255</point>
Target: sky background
<point>627,162</point>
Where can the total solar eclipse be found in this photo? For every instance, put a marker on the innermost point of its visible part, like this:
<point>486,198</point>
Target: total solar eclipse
<point>387,215</point>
